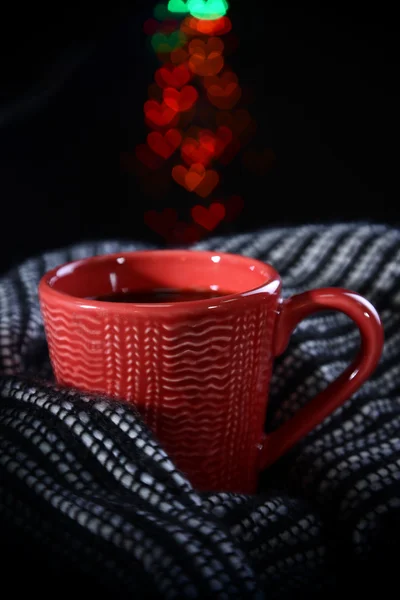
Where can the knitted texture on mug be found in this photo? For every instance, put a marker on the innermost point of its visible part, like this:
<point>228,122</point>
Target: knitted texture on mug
<point>89,498</point>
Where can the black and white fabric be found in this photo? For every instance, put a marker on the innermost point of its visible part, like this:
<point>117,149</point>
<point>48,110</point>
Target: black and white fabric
<point>91,504</point>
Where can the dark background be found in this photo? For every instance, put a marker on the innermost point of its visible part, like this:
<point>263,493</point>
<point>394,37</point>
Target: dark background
<point>72,87</point>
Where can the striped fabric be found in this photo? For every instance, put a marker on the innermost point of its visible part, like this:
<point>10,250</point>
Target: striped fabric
<point>88,498</point>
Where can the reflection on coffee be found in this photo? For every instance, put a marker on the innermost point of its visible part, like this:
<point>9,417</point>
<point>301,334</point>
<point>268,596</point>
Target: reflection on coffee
<point>161,296</point>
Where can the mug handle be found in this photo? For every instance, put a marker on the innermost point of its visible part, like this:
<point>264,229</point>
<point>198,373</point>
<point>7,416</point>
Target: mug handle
<point>291,312</point>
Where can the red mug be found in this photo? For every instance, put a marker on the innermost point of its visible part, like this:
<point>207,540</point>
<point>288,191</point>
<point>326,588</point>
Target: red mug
<point>197,371</point>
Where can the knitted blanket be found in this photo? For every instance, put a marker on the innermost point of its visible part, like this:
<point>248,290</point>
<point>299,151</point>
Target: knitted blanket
<point>89,498</point>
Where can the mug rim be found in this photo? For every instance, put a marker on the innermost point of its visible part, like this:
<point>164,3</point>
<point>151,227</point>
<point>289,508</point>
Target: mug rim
<point>271,285</point>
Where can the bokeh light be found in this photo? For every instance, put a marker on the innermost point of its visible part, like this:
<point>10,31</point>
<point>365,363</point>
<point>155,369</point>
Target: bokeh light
<point>180,100</point>
<point>196,179</point>
<point>192,26</point>
<point>197,120</point>
<point>201,9</point>
<point>206,47</point>
<point>223,91</point>
<point>147,157</point>
<point>164,145</point>
<point>164,43</point>
<point>173,76</point>
<point>152,26</point>
<point>207,9</point>
<point>195,151</point>
<point>206,66</point>
<point>180,7</point>
<point>206,56</point>
<point>179,56</point>
<point>208,217</point>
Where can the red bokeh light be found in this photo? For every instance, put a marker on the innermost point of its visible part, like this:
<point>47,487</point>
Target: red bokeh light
<point>193,118</point>
<point>173,76</point>
<point>164,145</point>
<point>158,114</point>
<point>180,100</point>
<point>209,217</point>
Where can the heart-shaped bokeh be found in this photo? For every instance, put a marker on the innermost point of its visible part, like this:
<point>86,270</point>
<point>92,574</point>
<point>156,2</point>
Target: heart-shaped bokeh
<point>192,26</point>
<point>178,6</point>
<point>173,76</point>
<point>184,233</point>
<point>190,110</point>
<point>180,100</point>
<point>223,91</point>
<point>206,56</point>
<point>206,47</point>
<point>226,97</point>
<point>164,145</point>
<point>164,43</point>
<point>222,80</point>
<point>147,157</point>
<point>209,217</point>
<point>208,9</point>
<point>207,184</point>
<point>162,13</point>
<point>151,26</point>
<point>200,65</point>
<point>196,179</point>
<point>158,114</point>
<point>166,224</point>
<point>238,121</point>
<point>189,178</point>
<point>198,151</point>
<point>219,140</point>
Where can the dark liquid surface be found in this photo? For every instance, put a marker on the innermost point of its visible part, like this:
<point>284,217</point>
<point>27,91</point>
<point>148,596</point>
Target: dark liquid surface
<point>161,296</point>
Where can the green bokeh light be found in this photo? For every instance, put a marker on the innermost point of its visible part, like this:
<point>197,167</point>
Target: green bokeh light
<point>161,12</point>
<point>201,9</point>
<point>178,6</point>
<point>209,10</point>
<point>164,42</point>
